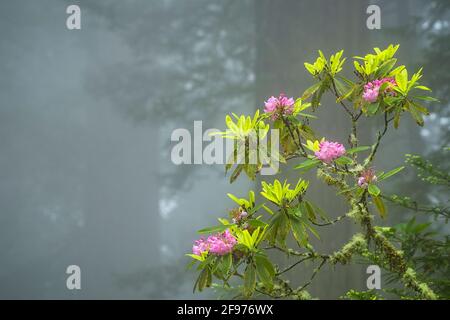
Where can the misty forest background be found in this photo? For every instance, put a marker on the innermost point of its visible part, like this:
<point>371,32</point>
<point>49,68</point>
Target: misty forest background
<point>86,118</point>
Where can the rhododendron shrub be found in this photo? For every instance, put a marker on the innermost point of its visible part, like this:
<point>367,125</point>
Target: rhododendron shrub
<point>235,253</point>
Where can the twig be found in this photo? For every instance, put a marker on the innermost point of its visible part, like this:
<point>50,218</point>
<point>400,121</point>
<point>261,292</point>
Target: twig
<point>379,137</point>
<point>416,207</point>
<point>298,144</point>
<point>289,251</point>
<point>340,102</point>
<point>293,265</point>
<point>271,295</point>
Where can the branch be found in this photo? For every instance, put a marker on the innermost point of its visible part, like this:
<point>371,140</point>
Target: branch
<point>271,294</point>
<point>299,143</point>
<point>340,102</point>
<point>412,205</point>
<point>330,222</point>
<point>313,275</point>
<point>379,137</point>
<point>293,265</point>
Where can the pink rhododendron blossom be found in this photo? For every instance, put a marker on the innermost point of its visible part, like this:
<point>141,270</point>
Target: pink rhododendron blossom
<point>218,244</point>
<point>329,151</point>
<point>221,244</point>
<point>372,89</point>
<point>371,94</point>
<point>366,177</point>
<point>281,105</point>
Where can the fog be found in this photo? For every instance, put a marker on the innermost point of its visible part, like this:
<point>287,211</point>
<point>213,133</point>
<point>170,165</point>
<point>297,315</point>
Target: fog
<point>86,118</point>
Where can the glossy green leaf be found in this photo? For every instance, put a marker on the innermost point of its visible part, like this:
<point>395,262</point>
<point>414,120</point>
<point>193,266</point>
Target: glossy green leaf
<point>227,263</point>
<point>249,280</point>
<point>311,90</point>
<point>308,164</point>
<point>343,160</point>
<point>401,79</point>
<point>380,206</point>
<point>357,149</point>
<point>214,229</point>
<point>390,173</point>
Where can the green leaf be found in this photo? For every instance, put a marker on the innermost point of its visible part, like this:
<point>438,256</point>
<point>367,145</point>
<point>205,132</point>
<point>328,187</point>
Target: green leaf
<point>420,108</point>
<point>278,229</point>
<point>341,88</point>
<point>421,227</point>
<point>236,172</point>
<point>347,94</point>
<point>380,206</point>
<point>267,209</point>
<point>385,67</point>
<point>319,211</point>
<point>249,280</point>
<point>402,80</point>
<point>251,197</point>
<point>255,209</point>
<point>397,118</point>
<point>308,164</point>
<point>204,280</point>
<point>234,198</point>
<point>227,263</point>
<point>415,114</point>
<point>264,270</point>
<point>396,71</point>
<point>250,170</point>
<point>308,92</point>
<point>422,88</point>
<point>255,235</point>
<point>313,231</point>
<point>261,258</point>
<point>190,264</point>
<point>310,68</point>
<point>374,190</point>
<point>390,173</point>
<point>298,231</point>
<point>373,108</point>
<point>357,149</point>
<point>426,98</point>
<point>194,256</point>
<point>308,115</point>
<point>257,223</point>
<point>224,221</point>
<point>310,211</point>
<point>246,239</point>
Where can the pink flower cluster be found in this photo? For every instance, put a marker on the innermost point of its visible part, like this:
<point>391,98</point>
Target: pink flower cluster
<point>281,105</point>
<point>372,89</point>
<point>219,244</point>
<point>366,177</point>
<point>329,151</point>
